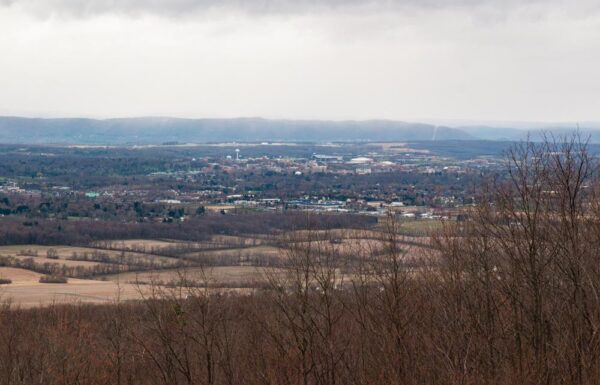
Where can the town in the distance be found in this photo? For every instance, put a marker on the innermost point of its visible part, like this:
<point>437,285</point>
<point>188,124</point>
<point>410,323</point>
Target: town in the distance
<point>429,181</point>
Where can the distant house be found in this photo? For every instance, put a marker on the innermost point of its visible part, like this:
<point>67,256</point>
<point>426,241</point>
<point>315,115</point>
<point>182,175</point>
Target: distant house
<point>327,158</point>
<point>363,169</point>
<point>170,201</point>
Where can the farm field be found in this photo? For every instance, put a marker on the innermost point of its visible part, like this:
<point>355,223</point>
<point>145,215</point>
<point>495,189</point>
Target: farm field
<point>420,227</point>
<point>357,247</point>
<point>227,276</point>
<point>242,253</point>
<point>241,241</point>
<point>65,262</point>
<point>219,277</point>
<point>366,235</point>
<point>228,262</point>
<point>136,244</point>
<point>62,252</point>
<point>65,253</point>
<point>175,247</point>
<point>26,291</point>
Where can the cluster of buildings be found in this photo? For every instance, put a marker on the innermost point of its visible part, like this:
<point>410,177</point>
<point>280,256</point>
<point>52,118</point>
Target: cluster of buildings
<point>228,171</point>
<point>335,164</point>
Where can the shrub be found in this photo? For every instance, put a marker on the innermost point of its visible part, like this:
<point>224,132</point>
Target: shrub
<point>28,253</point>
<point>5,281</point>
<point>53,279</point>
<point>51,254</point>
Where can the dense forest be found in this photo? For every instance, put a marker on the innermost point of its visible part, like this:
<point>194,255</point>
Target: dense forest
<point>51,232</point>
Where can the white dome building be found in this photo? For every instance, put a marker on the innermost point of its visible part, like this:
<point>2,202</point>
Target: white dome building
<point>360,160</point>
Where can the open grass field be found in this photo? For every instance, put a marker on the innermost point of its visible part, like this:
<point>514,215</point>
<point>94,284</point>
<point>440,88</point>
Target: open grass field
<point>420,227</point>
<point>359,248</point>
<point>66,262</point>
<point>174,247</point>
<point>406,229</point>
<point>134,244</point>
<point>229,277</point>
<point>40,252</point>
<point>241,241</point>
<point>26,291</point>
<point>243,252</point>
<point>63,252</point>
<point>228,256</point>
<point>226,275</point>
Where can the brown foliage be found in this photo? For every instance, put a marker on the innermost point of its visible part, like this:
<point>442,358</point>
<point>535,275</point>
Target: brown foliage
<point>507,297</point>
<point>53,279</point>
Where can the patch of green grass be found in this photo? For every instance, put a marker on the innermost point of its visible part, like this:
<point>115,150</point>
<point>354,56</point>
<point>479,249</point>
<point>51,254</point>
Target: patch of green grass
<point>75,219</point>
<point>420,227</point>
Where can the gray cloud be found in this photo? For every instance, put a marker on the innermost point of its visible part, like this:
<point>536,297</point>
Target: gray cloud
<point>353,59</point>
<point>185,7</point>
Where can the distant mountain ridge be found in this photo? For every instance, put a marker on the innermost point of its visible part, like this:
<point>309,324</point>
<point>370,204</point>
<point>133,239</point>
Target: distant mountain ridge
<point>535,131</point>
<point>156,130</point>
<point>159,130</point>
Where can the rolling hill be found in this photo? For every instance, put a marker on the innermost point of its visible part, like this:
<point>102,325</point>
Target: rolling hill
<point>160,130</point>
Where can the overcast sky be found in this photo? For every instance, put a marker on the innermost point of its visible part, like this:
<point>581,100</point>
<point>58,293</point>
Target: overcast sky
<point>494,60</point>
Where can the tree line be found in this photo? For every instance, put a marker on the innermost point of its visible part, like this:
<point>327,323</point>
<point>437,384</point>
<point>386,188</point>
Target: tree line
<point>20,230</point>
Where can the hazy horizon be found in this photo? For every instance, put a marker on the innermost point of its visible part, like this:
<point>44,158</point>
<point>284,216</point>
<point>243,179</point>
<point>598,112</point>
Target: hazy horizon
<point>520,125</point>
